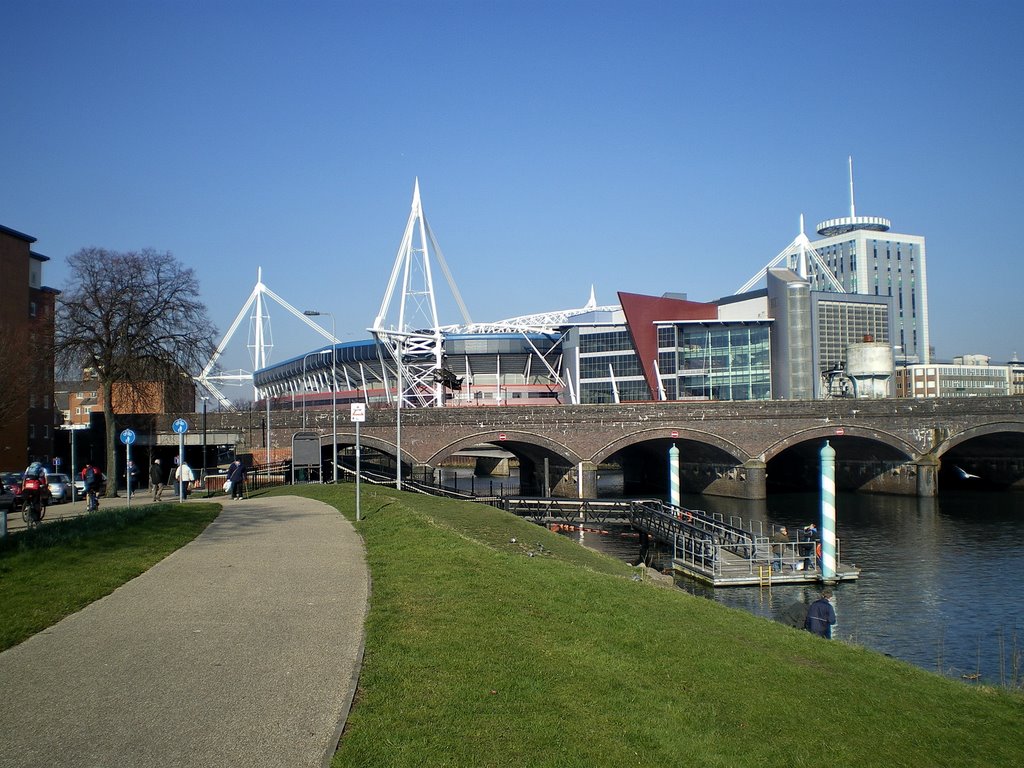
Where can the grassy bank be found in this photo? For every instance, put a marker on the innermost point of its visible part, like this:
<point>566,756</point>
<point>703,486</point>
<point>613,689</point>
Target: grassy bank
<point>479,654</point>
<point>50,573</point>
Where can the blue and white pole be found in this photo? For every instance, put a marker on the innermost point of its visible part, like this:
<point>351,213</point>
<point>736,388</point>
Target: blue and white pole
<point>673,476</point>
<point>828,512</point>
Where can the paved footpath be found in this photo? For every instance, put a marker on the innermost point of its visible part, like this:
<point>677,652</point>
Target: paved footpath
<point>241,648</point>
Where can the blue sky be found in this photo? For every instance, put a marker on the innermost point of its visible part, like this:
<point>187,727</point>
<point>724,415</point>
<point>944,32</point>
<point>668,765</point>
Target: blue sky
<point>643,146</point>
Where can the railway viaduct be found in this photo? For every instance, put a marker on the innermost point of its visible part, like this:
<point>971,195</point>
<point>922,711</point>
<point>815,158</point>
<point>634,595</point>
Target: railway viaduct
<point>733,449</point>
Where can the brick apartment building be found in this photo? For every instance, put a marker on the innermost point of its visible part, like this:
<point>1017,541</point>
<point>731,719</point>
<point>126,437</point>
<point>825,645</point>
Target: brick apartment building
<point>77,400</point>
<point>27,413</point>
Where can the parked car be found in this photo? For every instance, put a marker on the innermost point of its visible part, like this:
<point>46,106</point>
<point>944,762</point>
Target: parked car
<point>6,500</point>
<point>60,488</point>
<point>11,483</point>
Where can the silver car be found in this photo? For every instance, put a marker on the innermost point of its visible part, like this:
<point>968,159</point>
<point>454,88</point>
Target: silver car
<point>60,488</point>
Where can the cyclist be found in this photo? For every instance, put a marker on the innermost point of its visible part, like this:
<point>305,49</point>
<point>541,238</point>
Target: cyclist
<point>91,480</point>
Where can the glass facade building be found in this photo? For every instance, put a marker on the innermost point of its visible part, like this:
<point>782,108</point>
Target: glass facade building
<point>715,360</point>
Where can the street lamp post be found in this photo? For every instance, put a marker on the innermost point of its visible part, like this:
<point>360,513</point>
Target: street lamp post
<point>305,384</point>
<point>334,385</point>
<point>206,485</point>
<point>304,357</point>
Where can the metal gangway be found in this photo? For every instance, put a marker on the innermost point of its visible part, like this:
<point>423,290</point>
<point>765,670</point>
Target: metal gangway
<point>720,553</point>
<point>548,509</point>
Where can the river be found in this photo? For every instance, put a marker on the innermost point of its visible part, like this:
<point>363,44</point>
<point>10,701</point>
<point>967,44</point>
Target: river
<point>941,585</point>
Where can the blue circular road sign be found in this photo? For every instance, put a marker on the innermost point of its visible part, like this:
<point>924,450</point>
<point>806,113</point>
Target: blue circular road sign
<point>128,437</point>
<point>180,426</point>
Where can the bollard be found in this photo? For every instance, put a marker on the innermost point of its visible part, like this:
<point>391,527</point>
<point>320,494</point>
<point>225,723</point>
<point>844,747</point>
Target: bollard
<point>673,476</point>
<point>828,512</point>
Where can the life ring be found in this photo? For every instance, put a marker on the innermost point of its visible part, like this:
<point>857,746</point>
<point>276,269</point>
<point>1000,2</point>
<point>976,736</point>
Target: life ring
<point>817,549</point>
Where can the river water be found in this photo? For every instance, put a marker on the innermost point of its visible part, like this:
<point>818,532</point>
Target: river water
<point>941,585</point>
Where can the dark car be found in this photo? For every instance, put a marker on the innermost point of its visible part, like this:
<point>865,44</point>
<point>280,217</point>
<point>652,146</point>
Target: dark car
<point>6,500</point>
<point>10,489</point>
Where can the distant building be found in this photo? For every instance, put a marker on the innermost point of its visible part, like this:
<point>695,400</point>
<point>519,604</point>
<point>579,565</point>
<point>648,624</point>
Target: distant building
<point>27,415</point>
<point>79,399</point>
<point>1016,376</point>
<point>952,380</point>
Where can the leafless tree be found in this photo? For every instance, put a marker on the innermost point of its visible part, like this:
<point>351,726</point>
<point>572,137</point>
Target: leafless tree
<point>14,386</point>
<point>134,319</point>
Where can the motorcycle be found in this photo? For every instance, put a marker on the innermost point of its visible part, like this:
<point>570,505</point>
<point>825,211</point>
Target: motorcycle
<point>35,496</point>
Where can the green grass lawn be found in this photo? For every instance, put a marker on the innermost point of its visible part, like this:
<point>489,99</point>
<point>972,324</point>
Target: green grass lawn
<point>484,651</point>
<point>478,654</point>
<point>50,573</point>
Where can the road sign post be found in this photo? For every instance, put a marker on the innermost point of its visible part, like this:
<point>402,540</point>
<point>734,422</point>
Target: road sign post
<point>180,427</point>
<point>358,417</point>
<point>127,437</point>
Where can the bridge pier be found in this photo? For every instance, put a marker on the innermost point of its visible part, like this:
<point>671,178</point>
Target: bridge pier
<point>580,482</point>
<point>744,481</point>
<point>927,477</point>
<point>491,465</point>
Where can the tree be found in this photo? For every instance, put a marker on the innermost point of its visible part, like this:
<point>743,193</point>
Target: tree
<point>14,385</point>
<point>133,319</point>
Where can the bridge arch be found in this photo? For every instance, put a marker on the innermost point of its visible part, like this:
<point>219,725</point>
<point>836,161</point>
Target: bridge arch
<point>367,442</point>
<point>995,429</point>
<point>531,449</point>
<point>983,457</point>
<point>672,435</point>
<point>829,432</point>
<point>867,459</point>
<point>707,463</point>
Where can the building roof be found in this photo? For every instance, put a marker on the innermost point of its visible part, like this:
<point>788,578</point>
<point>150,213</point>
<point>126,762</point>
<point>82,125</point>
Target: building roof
<point>17,234</point>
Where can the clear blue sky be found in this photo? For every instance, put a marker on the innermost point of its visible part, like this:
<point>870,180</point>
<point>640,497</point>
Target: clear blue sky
<point>641,146</point>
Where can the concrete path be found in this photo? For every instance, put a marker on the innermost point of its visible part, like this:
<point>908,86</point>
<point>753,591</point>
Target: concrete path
<point>241,648</point>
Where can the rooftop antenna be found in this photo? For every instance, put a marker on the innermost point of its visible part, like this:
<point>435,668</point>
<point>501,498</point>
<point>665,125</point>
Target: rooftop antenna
<point>801,264</point>
<point>853,208</point>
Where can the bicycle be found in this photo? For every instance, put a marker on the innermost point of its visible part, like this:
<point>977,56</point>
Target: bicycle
<point>92,500</point>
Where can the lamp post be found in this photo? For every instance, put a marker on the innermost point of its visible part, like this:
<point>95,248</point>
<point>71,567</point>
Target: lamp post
<point>206,485</point>
<point>305,384</point>
<point>304,357</point>
<point>72,428</point>
<point>334,386</point>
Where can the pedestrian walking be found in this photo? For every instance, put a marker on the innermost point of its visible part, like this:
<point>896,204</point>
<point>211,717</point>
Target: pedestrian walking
<point>131,476</point>
<point>156,479</point>
<point>183,476</point>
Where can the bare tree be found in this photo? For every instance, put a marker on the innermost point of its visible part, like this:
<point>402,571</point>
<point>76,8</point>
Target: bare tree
<point>14,386</point>
<point>134,319</point>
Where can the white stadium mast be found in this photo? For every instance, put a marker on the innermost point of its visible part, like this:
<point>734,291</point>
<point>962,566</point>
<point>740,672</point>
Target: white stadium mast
<point>416,342</point>
<point>260,341</point>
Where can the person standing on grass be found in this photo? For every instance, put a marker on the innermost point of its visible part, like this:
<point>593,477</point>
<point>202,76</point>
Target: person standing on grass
<point>156,479</point>
<point>236,474</point>
<point>821,616</point>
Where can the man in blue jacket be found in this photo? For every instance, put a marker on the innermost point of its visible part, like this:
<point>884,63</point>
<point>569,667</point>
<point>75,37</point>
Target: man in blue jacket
<point>821,616</point>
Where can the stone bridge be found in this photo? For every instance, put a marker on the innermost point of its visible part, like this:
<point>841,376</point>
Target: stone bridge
<point>738,449</point>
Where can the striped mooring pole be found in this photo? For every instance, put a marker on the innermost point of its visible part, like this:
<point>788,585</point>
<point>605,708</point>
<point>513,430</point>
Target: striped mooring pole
<point>673,476</point>
<point>828,512</point>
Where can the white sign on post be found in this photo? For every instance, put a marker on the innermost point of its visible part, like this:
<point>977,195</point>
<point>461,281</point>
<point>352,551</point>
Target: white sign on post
<point>358,415</point>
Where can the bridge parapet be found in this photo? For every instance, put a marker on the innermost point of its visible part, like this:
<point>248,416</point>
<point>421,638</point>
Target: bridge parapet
<point>734,439</point>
